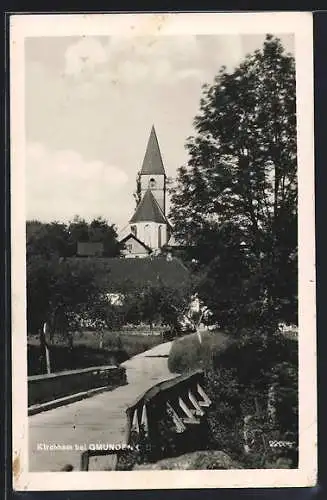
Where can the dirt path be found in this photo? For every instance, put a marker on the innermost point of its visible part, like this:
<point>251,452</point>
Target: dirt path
<point>99,419</point>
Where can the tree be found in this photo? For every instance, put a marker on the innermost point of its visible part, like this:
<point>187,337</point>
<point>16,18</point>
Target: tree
<point>174,302</point>
<point>78,230</point>
<point>153,303</point>
<point>164,304</point>
<point>138,192</point>
<point>60,239</point>
<point>59,293</point>
<point>47,239</point>
<point>227,283</point>
<point>101,231</point>
<point>242,174</point>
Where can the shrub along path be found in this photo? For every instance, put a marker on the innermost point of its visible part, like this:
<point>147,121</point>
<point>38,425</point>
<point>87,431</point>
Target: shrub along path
<point>99,419</point>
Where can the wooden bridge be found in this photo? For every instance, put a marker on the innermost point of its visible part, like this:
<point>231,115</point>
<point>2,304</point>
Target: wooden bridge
<point>168,415</point>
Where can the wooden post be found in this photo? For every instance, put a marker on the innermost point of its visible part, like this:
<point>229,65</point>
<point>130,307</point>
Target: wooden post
<point>85,459</point>
<point>246,433</point>
<point>144,421</point>
<point>198,328</point>
<point>179,425</point>
<point>271,404</point>
<point>135,421</point>
<point>190,418</point>
<point>206,401</point>
<point>47,358</point>
<point>101,339</point>
<point>46,346</point>
<point>198,410</point>
<point>44,339</point>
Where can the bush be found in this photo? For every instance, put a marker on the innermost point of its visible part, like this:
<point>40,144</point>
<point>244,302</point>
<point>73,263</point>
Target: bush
<point>188,354</point>
<point>113,341</point>
<point>238,384</point>
<point>238,374</point>
<point>225,414</point>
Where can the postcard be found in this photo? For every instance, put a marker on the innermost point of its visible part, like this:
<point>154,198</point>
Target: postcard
<point>163,251</point>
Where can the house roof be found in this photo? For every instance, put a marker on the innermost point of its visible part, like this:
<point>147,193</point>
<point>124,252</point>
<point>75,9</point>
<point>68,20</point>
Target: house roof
<point>149,270</point>
<point>148,210</point>
<point>132,236</point>
<point>89,248</point>
<point>152,163</point>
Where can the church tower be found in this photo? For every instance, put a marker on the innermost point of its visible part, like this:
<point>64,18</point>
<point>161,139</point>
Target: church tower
<point>152,174</point>
<point>149,226</point>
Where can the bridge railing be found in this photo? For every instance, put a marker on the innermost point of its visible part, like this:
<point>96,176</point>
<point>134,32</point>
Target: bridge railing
<point>182,399</point>
<point>48,387</point>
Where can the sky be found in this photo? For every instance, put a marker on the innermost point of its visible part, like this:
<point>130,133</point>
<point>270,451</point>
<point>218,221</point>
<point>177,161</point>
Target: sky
<point>90,103</point>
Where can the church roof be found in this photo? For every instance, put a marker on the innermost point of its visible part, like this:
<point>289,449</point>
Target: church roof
<point>148,210</point>
<point>152,163</point>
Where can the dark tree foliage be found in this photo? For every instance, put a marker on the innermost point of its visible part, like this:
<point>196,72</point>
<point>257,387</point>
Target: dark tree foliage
<point>59,239</point>
<point>239,189</point>
<point>78,230</point>
<point>101,231</point>
<point>137,194</point>
<point>238,386</point>
<point>59,292</point>
<point>48,240</point>
<point>154,303</point>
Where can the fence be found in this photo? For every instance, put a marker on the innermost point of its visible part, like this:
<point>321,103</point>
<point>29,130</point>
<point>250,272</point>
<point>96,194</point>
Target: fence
<point>181,400</point>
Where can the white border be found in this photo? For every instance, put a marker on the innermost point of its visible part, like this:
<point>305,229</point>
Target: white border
<point>300,24</point>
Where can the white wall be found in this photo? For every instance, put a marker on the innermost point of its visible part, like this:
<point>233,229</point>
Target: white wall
<point>134,249</point>
<point>148,233</point>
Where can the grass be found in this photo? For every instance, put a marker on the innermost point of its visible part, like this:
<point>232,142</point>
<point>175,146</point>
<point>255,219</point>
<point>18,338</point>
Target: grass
<point>188,354</point>
<point>132,344</point>
<point>117,346</point>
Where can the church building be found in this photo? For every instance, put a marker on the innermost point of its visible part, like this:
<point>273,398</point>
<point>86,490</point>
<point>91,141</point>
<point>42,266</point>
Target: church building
<point>148,229</point>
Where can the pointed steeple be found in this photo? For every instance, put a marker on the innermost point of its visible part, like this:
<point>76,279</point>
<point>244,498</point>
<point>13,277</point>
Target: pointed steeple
<point>152,163</point>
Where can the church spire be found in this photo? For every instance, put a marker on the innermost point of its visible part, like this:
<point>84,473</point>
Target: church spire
<point>152,163</point>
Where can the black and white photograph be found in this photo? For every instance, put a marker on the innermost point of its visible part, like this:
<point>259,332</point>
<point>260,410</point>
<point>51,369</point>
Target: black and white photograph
<point>163,251</point>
